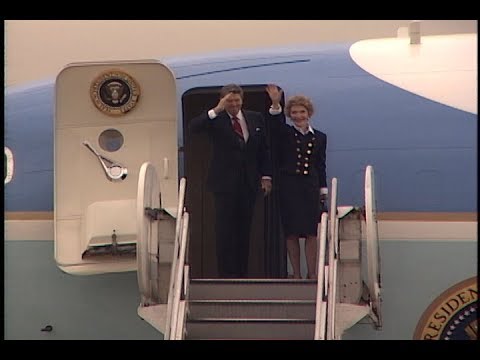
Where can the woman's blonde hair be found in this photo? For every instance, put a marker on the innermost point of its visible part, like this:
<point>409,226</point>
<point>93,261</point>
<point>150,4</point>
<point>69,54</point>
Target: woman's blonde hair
<point>300,100</point>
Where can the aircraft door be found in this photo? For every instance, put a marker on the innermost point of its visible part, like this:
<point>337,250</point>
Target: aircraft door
<point>267,250</point>
<point>110,118</point>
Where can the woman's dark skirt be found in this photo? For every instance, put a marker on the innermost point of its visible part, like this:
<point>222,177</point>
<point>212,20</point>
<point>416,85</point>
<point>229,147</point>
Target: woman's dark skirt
<point>299,205</point>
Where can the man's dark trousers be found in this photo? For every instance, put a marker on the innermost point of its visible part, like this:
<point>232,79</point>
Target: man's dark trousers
<point>234,212</point>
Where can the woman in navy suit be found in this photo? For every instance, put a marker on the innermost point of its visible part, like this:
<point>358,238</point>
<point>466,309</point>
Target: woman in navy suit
<point>303,183</point>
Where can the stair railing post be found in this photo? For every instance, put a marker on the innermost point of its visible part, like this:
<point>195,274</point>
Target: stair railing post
<point>176,247</point>
<point>332,262</point>
<point>321,305</point>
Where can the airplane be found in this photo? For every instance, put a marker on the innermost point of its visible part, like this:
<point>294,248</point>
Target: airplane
<point>406,106</point>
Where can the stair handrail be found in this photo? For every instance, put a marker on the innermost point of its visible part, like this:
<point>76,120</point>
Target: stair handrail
<point>374,282</point>
<point>332,262</point>
<point>321,304</point>
<point>182,320</point>
<point>177,295</point>
<point>176,248</point>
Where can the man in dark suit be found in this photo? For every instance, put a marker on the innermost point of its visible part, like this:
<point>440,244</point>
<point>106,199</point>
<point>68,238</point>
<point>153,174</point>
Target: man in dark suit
<point>240,164</point>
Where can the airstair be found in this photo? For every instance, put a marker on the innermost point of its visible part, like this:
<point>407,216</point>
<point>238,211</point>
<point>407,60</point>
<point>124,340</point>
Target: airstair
<point>251,309</point>
<point>183,308</point>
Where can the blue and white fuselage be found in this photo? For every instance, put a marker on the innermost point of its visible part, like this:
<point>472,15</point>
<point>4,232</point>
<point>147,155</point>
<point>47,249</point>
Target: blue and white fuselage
<point>410,111</point>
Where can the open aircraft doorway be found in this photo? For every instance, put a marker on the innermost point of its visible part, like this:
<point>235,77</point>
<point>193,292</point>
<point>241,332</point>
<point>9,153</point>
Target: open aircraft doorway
<point>267,250</point>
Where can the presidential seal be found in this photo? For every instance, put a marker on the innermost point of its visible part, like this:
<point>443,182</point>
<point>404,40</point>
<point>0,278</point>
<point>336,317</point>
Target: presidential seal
<point>114,92</point>
<point>452,315</point>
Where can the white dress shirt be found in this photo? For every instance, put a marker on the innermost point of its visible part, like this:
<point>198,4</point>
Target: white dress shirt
<point>241,120</point>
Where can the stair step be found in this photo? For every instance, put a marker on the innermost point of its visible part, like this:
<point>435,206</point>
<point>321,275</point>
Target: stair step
<point>251,329</point>
<point>258,309</point>
<point>252,289</point>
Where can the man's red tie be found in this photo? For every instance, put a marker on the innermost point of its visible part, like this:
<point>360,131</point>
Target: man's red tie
<point>236,126</point>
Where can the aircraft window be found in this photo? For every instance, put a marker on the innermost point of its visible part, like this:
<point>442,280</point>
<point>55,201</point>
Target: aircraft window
<point>110,140</point>
<point>8,169</point>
